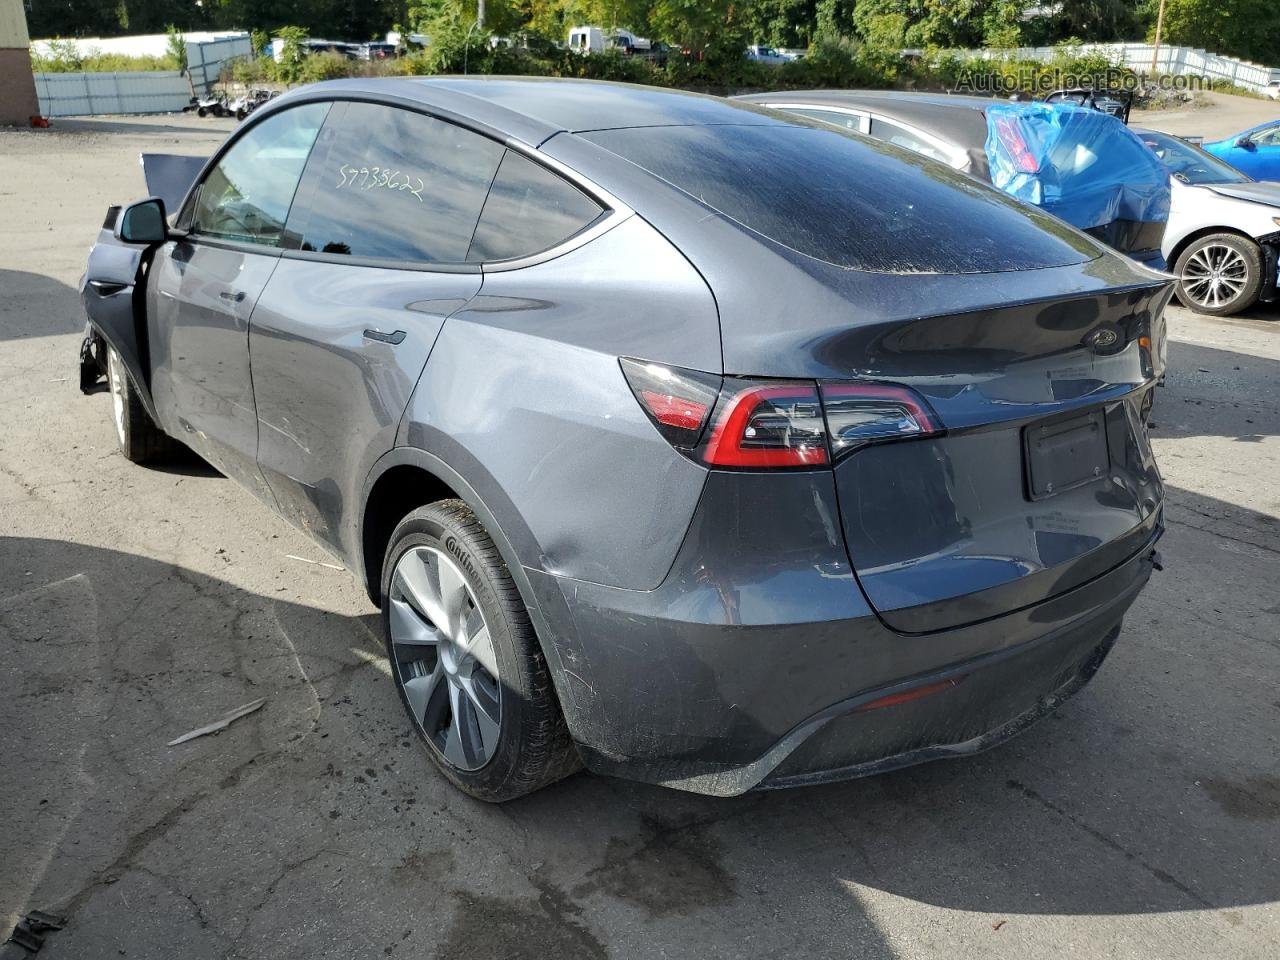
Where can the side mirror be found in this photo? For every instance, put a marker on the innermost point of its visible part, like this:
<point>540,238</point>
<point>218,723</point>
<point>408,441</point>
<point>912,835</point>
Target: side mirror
<point>1245,143</point>
<point>143,222</point>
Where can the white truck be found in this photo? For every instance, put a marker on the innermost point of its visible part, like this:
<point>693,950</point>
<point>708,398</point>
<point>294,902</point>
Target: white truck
<point>596,40</point>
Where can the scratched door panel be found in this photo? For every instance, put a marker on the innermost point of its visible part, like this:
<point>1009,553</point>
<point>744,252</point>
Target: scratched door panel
<point>377,243</point>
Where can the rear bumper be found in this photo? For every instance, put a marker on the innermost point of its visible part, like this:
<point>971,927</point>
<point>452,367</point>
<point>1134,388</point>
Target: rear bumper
<point>761,676</point>
<point>981,705</point>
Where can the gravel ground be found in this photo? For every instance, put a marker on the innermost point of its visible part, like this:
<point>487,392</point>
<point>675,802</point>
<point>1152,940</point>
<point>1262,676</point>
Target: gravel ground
<point>1215,116</point>
<point>1142,820</point>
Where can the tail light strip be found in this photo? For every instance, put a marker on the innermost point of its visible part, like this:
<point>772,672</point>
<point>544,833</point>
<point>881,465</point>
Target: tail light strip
<point>771,424</point>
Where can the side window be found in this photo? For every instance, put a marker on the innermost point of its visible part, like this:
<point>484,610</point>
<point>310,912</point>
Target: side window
<point>846,121</point>
<point>883,129</point>
<point>394,184</point>
<point>529,210</point>
<point>1267,138</point>
<point>246,197</point>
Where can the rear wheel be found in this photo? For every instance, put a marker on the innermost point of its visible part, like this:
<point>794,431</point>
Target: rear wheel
<point>465,658</point>
<point>137,435</point>
<point>1220,274</point>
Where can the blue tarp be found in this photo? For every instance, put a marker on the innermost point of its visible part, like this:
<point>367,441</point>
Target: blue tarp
<point>1081,165</point>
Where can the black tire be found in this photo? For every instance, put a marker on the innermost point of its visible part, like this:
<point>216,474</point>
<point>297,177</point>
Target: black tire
<point>1242,281</point>
<point>137,435</point>
<point>533,744</point>
<point>201,112</point>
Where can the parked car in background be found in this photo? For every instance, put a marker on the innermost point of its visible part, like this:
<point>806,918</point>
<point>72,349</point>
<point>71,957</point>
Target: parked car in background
<point>341,48</point>
<point>768,55</point>
<point>586,39</point>
<point>376,51</point>
<point>651,461</point>
<point>1223,235</point>
<point>1256,151</point>
<point>1273,90</point>
<point>1117,103</point>
<point>1081,165</point>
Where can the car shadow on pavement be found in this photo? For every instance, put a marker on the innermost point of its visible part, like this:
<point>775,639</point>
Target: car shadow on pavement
<point>34,305</point>
<point>1214,392</point>
<point>1154,791</point>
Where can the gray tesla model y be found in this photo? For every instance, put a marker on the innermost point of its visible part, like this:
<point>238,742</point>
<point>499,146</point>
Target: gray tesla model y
<point>689,441</point>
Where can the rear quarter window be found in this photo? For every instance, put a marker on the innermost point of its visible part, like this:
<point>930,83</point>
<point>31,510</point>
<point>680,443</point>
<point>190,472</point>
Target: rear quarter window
<point>837,118</point>
<point>529,209</point>
<point>850,201</point>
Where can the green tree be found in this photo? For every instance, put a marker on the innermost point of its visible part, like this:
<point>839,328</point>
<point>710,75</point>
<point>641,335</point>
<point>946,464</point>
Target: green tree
<point>700,25</point>
<point>781,23</point>
<point>292,53</point>
<point>1002,25</point>
<point>929,23</point>
<point>176,47</point>
<point>1098,20</point>
<point>1249,29</point>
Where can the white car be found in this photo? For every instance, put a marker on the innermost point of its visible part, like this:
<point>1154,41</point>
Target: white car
<point>767,55</point>
<point>1273,90</point>
<point>1223,234</point>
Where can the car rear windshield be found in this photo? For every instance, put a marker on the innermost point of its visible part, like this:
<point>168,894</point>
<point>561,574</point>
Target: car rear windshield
<point>848,200</point>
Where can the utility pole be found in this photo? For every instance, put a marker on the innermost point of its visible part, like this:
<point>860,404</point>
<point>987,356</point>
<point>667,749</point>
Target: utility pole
<point>480,11</point>
<point>1155,50</point>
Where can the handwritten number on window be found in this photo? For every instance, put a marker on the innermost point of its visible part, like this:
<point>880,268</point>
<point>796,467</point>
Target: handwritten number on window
<point>369,178</point>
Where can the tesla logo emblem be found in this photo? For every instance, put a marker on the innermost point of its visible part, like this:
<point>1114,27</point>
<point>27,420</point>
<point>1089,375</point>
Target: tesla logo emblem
<point>1103,338</point>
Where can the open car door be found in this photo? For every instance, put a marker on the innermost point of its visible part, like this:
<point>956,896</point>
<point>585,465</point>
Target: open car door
<point>112,287</point>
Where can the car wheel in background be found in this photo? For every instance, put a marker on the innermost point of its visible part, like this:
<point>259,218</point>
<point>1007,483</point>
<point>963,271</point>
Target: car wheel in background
<point>465,658</point>
<point>1220,274</point>
<point>137,435</point>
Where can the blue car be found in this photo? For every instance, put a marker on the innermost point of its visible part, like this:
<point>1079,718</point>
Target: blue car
<point>1255,152</point>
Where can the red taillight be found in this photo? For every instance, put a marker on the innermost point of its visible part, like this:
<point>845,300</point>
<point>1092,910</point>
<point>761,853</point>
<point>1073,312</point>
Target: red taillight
<point>677,401</point>
<point>768,426</point>
<point>1012,139</point>
<point>684,413</point>
<point>771,424</point>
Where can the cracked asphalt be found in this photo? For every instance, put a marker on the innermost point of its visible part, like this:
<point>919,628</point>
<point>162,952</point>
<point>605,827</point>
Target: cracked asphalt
<point>1141,820</point>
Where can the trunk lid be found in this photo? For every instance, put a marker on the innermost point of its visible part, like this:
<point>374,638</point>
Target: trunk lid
<point>1043,477</point>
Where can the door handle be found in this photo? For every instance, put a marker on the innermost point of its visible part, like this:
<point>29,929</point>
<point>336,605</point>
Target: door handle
<point>391,338</point>
<point>233,297</point>
<point>106,288</point>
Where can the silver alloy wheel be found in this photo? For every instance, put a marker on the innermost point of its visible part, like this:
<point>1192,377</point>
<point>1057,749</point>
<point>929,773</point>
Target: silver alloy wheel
<point>116,381</point>
<point>1215,275</point>
<point>444,657</point>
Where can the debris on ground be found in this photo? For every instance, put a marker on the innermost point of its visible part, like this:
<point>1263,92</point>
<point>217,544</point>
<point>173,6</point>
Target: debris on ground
<point>318,563</point>
<point>30,931</point>
<point>221,723</point>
